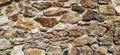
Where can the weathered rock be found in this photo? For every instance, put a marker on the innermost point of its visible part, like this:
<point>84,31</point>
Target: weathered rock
<point>4,44</point>
<point>35,52</point>
<point>71,17</point>
<point>84,39</point>
<point>89,15</point>
<point>114,18</point>
<point>28,11</point>
<point>106,40</point>
<point>94,29</point>
<point>4,1</point>
<point>42,5</point>
<point>46,22</point>
<point>24,23</point>
<point>17,50</point>
<point>14,17</point>
<point>73,51</point>
<point>56,11</point>
<point>78,9</point>
<point>10,34</point>
<point>85,50</point>
<point>106,9</point>
<point>104,1</point>
<point>57,4</point>
<point>9,10</point>
<point>75,33</point>
<point>54,50</point>
<point>88,4</point>
<point>117,8</point>
<point>115,50</point>
<point>3,20</point>
<point>66,4</point>
<point>101,51</point>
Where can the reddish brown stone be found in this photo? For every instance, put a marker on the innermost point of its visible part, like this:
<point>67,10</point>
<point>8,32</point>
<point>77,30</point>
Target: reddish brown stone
<point>46,22</point>
<point>88,4</point>
<point>42,5</point>
<point>75,33</point>
<point>89,15</point>
<point>9,9</point>
<point>78,9</point>
<point>57,4</point>
<point>14,17</point>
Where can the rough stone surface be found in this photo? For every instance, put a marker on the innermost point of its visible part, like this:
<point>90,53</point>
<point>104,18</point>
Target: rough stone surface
<point>35,52</point>
<point>71,17</point>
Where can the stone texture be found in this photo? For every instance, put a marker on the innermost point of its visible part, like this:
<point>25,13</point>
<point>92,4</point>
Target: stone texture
<point>4,1</point>
<point>104,1</point>
<point>57,4</point>
<point>3,20</point>
<point>115,49</point>
<point>117,8</point>
<point>101,51</point>
<point>13,17</point>
<point>70,17</point>
<point>85,50</point>
<point>94,29</point>
<point>4,44</point>
<point>75,33</point>
<point>114,18</point>
<point>89,15</point>
<point>42,5</point>
<point>24,23</point>
<point>88,4</point>
<point>17,50</point>
<point>54,12</point>
<point>78,9</point>
<point>106,9</point>
<point>35,52</point>
<point>46,22</point>
<point>84,39</point>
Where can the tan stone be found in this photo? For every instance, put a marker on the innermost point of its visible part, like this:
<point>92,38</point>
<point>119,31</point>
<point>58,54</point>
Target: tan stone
<point>35,52</point>
<point>70,17</point>
<point>75,33</point>
<point>116,50</point>
<point>102,9</point>
<point>24,23</point>
<point>56,11</point>
<point>73,51</point>
<point>84,39</point>
<point>101,50</point>
<point>114,18</point>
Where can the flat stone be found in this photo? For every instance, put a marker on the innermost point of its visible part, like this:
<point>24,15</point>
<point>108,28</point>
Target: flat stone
<point>3,20</point>
<point>70,17</point>
<point>75,33</point>
<point>78,9</point>
<point>4,44</point>
<point>84,39</point>
<point>73,51</point>
<point>42,5</point>
<point>4,1</point>
<point>89,15</point>
<point>10,34</point>
<point>56,11</point>
<point>101,50</point>
<point>104,1</point>
<point>46,22</point>
<point>94,29</point>
<point>66,4</point>
<point>115,50</point>
<point>54,50</point>
<point>85,50</point>
<point>88,4</point>
<point>105,9</point>
<point>17,50</point>
<point>35,52</point>
<point>106,40</point>
<point>114,18</point>
<point>57,4</point>
<point>24,23</point>
<point>28,11</point>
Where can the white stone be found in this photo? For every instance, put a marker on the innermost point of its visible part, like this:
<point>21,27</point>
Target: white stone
<point>17,50</point>
<point>3,20</point>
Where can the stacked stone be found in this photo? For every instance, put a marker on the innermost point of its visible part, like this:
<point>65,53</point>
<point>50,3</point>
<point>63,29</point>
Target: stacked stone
<point>59,27</point>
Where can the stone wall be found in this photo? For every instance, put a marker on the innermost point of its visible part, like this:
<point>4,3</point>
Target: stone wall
<point>59,27</point>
